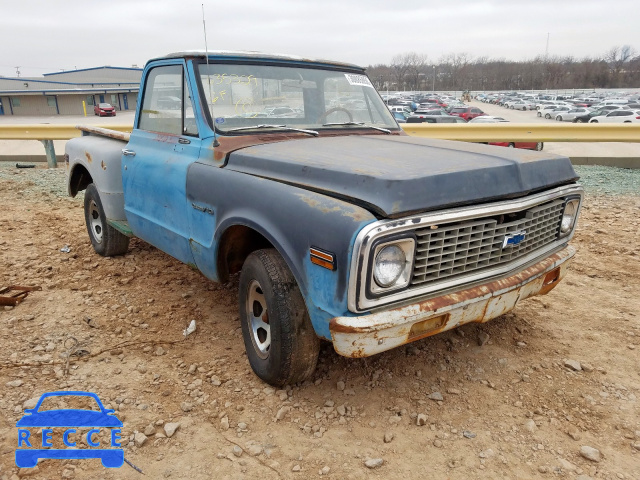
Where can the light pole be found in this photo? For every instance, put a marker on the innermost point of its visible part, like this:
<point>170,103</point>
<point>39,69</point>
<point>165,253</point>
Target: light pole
<point>433,86</point>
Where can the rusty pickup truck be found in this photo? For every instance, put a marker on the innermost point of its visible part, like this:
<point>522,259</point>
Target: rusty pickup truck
<point>293,173</point>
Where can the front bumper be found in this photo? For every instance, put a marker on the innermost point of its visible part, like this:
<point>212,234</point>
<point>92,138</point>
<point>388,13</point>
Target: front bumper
<point>377,332</point>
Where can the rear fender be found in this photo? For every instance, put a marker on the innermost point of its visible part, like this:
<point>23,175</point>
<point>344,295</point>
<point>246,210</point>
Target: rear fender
<point>97,160</point>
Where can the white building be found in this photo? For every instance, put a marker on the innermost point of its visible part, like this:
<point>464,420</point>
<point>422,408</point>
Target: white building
<point>63,93</point>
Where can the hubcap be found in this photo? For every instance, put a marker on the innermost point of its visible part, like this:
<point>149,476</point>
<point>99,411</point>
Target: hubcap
<point>258,317</point>
<point>95,222</point>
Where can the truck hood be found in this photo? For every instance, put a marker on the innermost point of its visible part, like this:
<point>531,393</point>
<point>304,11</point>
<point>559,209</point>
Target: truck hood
<point>393,176</point>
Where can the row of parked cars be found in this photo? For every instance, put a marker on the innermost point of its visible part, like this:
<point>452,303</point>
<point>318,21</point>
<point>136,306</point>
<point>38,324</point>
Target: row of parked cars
<point>620,109</point>
<point>442,110</point>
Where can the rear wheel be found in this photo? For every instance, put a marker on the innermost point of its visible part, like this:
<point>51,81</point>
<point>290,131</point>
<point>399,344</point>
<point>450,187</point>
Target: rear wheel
<point>593,121</point>
<point>106,240</point>
<point>559,118</point>
<point>281,345</point>
<point>512,145</point>
<point>547,116</point>
<point>539,114</point>
<point>539,146</point>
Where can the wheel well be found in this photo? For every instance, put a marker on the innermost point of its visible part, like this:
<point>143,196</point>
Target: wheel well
<point>79,180</point>
<point>236,244</point>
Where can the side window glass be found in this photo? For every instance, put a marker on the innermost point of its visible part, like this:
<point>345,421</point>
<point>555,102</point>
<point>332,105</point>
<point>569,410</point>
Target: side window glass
<point>162,102</point>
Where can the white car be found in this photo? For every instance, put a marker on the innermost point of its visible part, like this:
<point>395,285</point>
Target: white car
<point>487,119</point>
<point>522,105</point>
<point>553,113</point>
<point>572,114</point>
<point>544,109</point>
<point>618,116</point>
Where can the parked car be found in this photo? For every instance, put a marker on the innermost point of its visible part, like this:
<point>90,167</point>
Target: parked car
<point>588,116</point>
<point>618,116</point>
<point>571,114</point>
<point>466,112</point>
<point>435,119</point>
<point>523,105</point>
<point>400,117</point>
<point>487,119</point>
<point>552,111</point>
<point>104,110</point>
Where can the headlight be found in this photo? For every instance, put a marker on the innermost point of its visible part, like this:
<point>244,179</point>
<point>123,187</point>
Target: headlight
<point>569,216</point>
<point>389,265</point>
<point>392,265</point>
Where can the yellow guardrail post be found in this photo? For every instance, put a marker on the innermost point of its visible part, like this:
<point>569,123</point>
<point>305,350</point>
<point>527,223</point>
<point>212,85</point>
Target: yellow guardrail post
<point>84,107</point>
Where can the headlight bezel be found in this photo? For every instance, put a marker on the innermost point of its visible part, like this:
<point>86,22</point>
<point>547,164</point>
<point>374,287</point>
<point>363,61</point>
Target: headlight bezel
<point>407,243</point>
<point>570,202</point>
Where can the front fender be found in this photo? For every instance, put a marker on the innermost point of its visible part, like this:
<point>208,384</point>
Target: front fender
<point>291,218</point>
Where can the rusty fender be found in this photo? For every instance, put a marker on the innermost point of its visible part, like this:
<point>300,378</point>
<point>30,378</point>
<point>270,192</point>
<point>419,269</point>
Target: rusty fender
<point>374,333</point>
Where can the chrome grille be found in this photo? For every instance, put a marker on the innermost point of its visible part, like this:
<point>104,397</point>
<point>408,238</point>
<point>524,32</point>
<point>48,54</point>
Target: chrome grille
<point>460,248</point>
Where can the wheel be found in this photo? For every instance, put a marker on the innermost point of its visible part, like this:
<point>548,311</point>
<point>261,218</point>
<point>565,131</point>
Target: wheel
<point>106,240</point>
<point>559,118</point>
<point>539,114</point>
<point>511,107</point>
<point>579,120</point>
<point>524,109</point>
<point>547,116</point>
<point>512,145</point>
<point>281,344</point>
<point>332,110</point>
<point>539,146</point>
<point>593,121</point>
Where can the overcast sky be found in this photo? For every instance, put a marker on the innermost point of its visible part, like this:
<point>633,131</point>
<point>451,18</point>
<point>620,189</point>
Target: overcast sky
<point>42,36</point>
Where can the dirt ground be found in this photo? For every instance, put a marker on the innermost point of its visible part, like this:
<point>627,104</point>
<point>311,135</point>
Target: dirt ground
<point>512,408</point>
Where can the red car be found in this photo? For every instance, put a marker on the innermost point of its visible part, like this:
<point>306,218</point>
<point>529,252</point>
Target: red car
<point>466,112</point>
<point>104,109</point>
<point>526,145</point>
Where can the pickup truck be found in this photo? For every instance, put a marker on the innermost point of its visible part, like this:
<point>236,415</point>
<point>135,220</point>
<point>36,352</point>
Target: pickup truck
<point>293,174</point>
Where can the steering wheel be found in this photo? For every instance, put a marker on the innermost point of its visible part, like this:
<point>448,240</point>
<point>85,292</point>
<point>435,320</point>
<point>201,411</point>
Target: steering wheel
<point>333,110</point>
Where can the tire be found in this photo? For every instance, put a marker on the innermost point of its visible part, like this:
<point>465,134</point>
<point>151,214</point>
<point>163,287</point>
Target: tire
<point>547,116</point>
<point>106,240</point>
<point>539,114</point>
<point>593,121</point>
<point>578,120</point>
<point>284,349</point>
<point>511,107</point>
<point>512,145</point>
<point>539,146</point>
<point>559,118</point>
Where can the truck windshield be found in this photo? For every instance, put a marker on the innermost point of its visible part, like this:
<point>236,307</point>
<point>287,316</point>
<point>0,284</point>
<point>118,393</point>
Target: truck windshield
<point>244,95</point>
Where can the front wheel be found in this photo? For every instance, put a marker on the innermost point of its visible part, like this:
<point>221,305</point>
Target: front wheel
<point>579,120</point>
<point>106,240</point>
<point>547,116</point>
<point>539,114</point>
<point>281,344</point>
<point>559,118</point>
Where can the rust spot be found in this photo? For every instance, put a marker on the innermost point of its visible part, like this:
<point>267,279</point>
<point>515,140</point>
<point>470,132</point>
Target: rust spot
<point>346,209</point>
<point>88,155</point>
<point>103,165</point>
<point>105,132</point>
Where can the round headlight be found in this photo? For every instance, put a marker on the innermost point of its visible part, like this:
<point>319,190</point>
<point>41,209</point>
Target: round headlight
<point>389,265</point>
<point>567,217</point>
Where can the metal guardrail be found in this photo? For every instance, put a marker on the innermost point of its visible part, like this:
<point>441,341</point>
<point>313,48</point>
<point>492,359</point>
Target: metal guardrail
<point>499,132</point>
<point>491,132</point>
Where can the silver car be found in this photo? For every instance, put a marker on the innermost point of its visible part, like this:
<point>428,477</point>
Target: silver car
<point>571,115</point>
<point>523,105</point>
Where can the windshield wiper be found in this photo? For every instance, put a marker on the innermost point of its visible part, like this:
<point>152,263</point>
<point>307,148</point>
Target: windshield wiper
<point>284,127</point>
<point>357,124</point>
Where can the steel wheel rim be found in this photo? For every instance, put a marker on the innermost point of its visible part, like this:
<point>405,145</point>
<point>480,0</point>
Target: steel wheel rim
<point>258,319</point>
<point>95,222</point>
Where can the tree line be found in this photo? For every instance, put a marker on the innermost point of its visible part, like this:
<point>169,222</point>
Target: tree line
<point>619,67</point>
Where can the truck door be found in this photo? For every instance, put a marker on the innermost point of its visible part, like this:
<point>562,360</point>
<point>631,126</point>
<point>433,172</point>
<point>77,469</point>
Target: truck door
<point>163,144</point>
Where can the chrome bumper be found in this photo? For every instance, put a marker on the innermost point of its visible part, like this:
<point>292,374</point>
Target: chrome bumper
<point>377,332</point>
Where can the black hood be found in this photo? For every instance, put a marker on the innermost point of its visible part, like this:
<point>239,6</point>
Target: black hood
<point>397,175</point>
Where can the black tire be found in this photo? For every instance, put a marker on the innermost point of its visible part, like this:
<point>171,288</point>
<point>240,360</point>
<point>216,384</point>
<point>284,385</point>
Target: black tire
<point>284,349</point>
<point>539,146</point>
<point>539,114</point>
<point>547,116</point>
<point>512,145</point>
<point>559,118</point>
<point>593,121</point>
<point>579,120</point>
<point>106,240</point>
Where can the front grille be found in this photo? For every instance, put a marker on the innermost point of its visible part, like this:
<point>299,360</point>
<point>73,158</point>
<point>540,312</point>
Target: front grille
<point>457,249</point>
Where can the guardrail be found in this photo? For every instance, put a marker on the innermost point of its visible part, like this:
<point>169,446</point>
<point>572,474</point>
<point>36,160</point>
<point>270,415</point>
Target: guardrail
<point>491,132</point>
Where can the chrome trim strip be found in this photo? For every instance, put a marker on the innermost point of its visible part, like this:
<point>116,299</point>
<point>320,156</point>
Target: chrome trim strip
<point>357,300</point>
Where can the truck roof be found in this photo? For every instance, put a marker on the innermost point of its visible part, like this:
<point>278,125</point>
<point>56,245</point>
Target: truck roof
<point>230,54</point>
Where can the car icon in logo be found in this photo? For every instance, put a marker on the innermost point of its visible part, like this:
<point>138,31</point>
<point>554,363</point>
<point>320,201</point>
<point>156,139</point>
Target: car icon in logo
<point>70,419</point>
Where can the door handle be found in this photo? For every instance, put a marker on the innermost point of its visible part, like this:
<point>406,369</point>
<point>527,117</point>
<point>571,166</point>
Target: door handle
<point>128,153</point>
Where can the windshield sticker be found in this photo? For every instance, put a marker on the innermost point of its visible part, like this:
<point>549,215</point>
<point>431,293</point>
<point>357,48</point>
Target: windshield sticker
<point>360,80</point>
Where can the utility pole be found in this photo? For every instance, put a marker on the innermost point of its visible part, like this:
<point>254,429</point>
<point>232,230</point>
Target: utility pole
<point>546,53</point>
<point>433,87</point>
<point>18,71</point>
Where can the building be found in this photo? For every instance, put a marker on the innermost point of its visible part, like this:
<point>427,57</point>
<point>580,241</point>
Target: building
<point>63,93</point>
